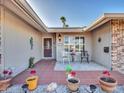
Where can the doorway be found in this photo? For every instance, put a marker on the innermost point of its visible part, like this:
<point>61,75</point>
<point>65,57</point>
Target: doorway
<point>47,47</point>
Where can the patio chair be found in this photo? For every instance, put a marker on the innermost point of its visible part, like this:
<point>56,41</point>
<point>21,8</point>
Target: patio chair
<point>84,55</point>
<point>65,58</point>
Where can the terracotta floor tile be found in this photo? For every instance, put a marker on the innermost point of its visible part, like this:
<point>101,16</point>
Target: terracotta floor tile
<point>46,73</point>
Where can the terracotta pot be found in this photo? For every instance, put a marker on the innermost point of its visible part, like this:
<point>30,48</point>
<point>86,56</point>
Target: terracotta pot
<point>73,86</point>
<point>4,84</point>
<point>109,87</point>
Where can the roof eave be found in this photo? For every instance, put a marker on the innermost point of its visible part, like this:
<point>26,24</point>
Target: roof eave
<point>103,19</point>
<point>65,30</point>
<point>28,11</point>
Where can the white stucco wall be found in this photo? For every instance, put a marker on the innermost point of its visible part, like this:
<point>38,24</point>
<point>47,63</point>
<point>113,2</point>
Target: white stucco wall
<point>1,36</point>
<point>17,36</point>
<point>60,46</point>
<point>98,48</point>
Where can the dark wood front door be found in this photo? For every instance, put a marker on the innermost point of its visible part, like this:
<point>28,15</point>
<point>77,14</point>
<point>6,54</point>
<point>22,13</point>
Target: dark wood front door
<point>47,47</point>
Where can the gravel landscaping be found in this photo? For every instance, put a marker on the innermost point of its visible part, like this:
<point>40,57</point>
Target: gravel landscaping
<point>60,89</point>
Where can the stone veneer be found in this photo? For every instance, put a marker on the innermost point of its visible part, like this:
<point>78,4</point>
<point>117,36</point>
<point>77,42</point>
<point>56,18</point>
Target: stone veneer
<point>117,27</point>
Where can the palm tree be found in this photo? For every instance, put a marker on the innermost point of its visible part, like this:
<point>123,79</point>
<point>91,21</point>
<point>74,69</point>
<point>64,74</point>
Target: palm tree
<point>63,19</point>
<point>66,25</point>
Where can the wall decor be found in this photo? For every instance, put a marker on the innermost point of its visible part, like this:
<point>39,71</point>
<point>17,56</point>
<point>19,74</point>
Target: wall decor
<point>31,42</point>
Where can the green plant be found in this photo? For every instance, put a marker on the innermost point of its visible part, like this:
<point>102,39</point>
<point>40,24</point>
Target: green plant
<point>31,62</point>
<point>6,74</point>
<point>68,68</point>
<point>66,25</point>
<point>63,19</point>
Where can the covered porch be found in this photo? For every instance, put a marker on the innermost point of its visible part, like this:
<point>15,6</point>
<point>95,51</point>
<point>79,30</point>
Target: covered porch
<point>64,42</point>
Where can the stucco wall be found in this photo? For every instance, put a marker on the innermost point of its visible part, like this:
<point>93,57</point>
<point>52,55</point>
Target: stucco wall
<point>1,14</point>
<point>99,55</point>
<point>2,37</point>
<point>17,49</point>
<point>60,46</point>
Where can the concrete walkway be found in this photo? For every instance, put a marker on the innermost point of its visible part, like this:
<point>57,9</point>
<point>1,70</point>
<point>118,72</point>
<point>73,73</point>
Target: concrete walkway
<point>78,66</point>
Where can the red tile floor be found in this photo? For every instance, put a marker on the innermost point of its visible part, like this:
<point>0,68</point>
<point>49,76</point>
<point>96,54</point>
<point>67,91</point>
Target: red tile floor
<point>46,73</point>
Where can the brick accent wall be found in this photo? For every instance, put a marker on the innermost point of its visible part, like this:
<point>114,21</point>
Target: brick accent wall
<point>117,27</point>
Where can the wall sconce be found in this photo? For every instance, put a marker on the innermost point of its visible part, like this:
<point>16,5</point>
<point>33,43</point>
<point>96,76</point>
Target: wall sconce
<point>99,39</point>
<point>59,37</point>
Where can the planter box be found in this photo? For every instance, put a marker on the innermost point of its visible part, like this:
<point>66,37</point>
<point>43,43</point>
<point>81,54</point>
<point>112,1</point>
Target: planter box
<point>4,84</point>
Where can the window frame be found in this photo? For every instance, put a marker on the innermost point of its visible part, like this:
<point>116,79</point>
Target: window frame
<point>74,43</point>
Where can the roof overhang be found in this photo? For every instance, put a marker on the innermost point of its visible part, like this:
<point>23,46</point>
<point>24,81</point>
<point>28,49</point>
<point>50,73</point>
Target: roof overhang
<point>103,19</point>
<point>24,11</point>
<point>64,30</point>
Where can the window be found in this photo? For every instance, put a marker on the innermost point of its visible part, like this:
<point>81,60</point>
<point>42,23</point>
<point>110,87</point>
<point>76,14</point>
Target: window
<point>75,43</point>
<point>66,40</point>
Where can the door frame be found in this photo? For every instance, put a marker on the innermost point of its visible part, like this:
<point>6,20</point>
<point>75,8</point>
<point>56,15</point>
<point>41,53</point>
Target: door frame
<point>43,48</point>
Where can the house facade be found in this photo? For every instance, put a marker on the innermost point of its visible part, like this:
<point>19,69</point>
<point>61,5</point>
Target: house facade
<point>24,35</point>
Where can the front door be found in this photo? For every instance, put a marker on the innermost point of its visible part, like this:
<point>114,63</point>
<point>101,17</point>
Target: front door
<point>47,47</point>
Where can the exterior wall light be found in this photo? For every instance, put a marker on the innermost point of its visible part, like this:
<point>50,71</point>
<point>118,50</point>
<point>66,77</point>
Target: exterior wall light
<point>59,37</point>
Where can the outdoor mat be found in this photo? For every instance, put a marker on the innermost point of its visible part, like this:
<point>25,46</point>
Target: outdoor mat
<point>77,66</point>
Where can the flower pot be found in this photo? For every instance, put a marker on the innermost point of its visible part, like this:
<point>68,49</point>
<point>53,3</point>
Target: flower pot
<point>32,82</point>
<point>73,84</point>
<point>4,84</point>
<point>108,84</point>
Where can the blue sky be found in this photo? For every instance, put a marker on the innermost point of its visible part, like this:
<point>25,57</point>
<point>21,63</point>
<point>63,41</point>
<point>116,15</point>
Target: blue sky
<point>78,13</point>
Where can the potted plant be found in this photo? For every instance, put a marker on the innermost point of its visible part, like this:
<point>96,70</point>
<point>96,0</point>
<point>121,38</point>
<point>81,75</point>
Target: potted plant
<point>5,79</point>
<point>107,82</point>
<point>73,84</point>
<point>31,62</point>
<point>32,81</point>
